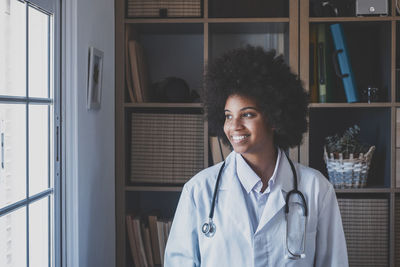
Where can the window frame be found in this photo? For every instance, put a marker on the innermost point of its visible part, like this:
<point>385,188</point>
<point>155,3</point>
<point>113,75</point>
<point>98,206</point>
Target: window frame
<point>53,102</point>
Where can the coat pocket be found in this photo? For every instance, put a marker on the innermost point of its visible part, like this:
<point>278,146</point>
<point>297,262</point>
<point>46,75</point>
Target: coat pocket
<point>308,260</point>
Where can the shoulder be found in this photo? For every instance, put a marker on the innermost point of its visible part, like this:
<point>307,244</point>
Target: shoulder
<point>312,179</point>
<point>204,177</point>
<point>203,182</point>
<point>318,191</point>
<point>199,189</point>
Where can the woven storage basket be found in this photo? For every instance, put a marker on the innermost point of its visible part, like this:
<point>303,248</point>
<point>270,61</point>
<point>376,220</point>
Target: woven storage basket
<point>348,173</point>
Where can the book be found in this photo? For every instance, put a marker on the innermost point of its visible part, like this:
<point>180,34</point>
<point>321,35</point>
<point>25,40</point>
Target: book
<point>216,151</point>
<point>346,72</point>
<point>135,70</point>
<point>139,242</point>
<point>398,127</point>
<point>397,167</point>
<point>321,64</point>
<point>219,150</point>
<point>147,244</point>
<point>139,71</point>
<point>154,238</point>
<point>226,149</point>
<point>161,239</point>
<point>166,233</point>
<point>325,64</point>
<point>313,71</point>
<point>132,242</point>
<point>143,72</point>
<point>128,69</point>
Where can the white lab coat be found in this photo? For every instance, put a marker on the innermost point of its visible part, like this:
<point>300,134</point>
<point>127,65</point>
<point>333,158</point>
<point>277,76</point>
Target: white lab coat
<point>235,243</point>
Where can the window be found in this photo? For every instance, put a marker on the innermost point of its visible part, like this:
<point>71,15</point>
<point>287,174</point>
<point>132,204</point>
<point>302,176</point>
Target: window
<point>28,162</point>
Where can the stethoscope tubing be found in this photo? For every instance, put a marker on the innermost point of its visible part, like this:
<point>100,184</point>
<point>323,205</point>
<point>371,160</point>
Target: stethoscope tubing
<point>209,227</point>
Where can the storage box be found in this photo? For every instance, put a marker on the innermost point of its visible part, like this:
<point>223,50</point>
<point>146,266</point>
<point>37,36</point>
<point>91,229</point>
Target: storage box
<point>371,7</point>
<point>366,227</point>
<point>163,8</point>
<point>166,148</point>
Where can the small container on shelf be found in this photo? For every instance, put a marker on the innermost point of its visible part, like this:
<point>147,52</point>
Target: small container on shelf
<point>347,159</point>
<point>375,125</point>
<point>348,173</point>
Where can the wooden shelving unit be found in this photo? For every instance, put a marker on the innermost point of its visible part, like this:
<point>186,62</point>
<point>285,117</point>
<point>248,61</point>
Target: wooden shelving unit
<point>384,182</point>
<point>207,37</point>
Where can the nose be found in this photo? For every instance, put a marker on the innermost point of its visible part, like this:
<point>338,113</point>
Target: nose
<point>235,123</point>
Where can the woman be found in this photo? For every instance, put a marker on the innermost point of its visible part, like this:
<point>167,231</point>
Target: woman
<point>255,103</point>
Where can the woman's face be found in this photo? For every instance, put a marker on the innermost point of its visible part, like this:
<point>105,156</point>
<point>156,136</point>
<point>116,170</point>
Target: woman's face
<point>246,127</point>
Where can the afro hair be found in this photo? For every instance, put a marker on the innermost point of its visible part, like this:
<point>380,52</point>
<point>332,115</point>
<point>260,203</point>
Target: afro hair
<point>264,77</point>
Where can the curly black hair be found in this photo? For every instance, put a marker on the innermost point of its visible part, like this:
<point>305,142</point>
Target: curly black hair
<point>264,77</point>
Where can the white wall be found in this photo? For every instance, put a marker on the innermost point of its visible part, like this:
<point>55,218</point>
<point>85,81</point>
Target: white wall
<point>90,137</point>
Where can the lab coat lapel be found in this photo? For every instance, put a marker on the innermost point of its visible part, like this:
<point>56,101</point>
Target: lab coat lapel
<point>235,205</point>
<point>276,200</point>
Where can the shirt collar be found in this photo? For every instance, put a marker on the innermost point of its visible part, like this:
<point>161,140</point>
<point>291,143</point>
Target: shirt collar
<point>248,178</point>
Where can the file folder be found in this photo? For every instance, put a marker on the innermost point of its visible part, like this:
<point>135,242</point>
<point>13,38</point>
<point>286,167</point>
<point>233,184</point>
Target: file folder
<point>346,73</point>
<point>325,69</point>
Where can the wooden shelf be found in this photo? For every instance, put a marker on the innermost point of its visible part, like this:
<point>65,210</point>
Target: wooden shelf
<point>363,190</point>
<point>204,20</point>
<point>246,20</point>
<point>164,20</point>
<point>351,105</point>
<point>352,19</point>
<point>163,105</point>
<point>205,37</point>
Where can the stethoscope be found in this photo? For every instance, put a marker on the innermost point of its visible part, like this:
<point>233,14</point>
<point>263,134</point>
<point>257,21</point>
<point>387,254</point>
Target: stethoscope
<point>209,227</point>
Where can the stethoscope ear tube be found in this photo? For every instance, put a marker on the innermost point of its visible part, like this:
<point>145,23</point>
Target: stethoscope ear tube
<point>209,228</point>
<point>211,215</point>
<point>295,190</point>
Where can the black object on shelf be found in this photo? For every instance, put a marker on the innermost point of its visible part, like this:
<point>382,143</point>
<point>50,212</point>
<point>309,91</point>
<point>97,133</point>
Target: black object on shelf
<point>173,90</point>
<point>332,8</point>
<point>248,8</point>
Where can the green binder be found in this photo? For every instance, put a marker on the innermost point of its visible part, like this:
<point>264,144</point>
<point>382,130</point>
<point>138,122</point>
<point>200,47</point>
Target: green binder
<point>325,64</point>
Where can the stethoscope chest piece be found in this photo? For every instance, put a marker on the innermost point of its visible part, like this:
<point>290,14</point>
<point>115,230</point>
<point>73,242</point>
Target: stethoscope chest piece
<point>208,229</point>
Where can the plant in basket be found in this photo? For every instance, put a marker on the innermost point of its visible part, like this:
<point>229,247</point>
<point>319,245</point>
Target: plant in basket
<point>347,159</point>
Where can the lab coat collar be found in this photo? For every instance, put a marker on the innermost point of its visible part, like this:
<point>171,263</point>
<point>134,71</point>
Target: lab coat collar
<point>235,204</point>
<point>283,180</point>
<point>248,178</point>
<point>276,200</point>
<point>237,209</point>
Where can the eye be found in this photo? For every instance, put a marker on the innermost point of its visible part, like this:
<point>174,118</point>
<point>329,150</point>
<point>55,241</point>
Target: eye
<point>228,116</point>
<point>248,115</point>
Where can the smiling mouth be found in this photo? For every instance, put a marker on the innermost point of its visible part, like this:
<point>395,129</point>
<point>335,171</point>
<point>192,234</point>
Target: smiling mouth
<point>239,138</point>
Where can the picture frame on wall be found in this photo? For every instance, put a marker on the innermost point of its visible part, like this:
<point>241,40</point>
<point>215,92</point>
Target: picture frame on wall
<point>95,75</point>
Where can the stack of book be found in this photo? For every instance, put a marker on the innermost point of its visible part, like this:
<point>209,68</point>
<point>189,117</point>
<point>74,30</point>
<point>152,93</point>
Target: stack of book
<point>330,68</point>
<point>166,148</point>
<point>365,224</point>
<point>136,72</point>
<point>147,239</point>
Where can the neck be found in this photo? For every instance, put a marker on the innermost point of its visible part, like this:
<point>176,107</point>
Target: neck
<point>263,164</point>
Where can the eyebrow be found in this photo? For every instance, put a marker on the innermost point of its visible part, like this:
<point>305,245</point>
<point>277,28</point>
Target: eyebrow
<point>242,109</point>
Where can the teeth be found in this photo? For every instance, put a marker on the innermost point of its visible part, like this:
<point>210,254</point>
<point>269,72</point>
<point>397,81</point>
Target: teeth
<point>238,138</point>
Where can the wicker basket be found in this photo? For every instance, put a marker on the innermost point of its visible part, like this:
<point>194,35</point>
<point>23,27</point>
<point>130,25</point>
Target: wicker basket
<point>348,173</point>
